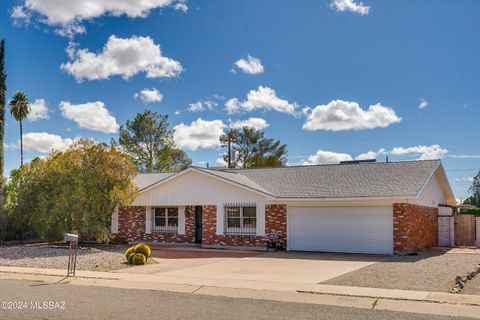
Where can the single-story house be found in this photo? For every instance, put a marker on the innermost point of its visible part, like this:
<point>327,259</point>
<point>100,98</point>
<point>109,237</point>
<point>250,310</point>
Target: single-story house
<point>355,206</point>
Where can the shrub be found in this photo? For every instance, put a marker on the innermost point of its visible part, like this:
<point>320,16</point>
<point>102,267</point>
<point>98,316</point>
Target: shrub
<point>143,249</point>
<point>138,259</point>
<point>130,258</point>
<point>129,252</point>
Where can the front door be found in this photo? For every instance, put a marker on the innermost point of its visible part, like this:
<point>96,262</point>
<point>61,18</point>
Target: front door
<point>198,224</point>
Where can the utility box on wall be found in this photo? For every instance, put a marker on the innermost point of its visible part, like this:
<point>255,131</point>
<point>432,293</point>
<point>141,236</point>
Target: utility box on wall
<point>446,227</point>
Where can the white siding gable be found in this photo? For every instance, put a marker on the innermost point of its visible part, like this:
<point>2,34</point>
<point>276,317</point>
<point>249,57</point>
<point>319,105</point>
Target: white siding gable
<point>431,195</point>
<point>197,189</point>
<point>193,188</point>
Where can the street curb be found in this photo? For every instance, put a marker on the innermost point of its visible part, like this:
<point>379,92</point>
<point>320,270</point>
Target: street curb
<point>427,300</point>
<point>330,290</point>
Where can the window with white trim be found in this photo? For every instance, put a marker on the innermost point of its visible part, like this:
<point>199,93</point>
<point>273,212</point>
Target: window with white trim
<point>240,219</point>
<point>165,219</point>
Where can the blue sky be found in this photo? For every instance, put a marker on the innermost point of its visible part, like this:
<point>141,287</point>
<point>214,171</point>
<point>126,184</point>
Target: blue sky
<point>333,79</point>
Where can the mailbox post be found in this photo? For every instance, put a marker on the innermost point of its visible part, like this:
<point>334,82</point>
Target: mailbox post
<point>72,252</point>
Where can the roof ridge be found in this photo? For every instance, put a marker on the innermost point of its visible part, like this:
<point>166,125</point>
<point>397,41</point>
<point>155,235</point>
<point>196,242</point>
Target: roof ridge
<point>159,172</point>
<point>232,170</point>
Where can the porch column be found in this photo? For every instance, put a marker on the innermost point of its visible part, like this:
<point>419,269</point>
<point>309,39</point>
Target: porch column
<point>148,220</point>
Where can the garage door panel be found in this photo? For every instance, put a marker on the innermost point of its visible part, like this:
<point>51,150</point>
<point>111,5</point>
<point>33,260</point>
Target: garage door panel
<point>341,229</point>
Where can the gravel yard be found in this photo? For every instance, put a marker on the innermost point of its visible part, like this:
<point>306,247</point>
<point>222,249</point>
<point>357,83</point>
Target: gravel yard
<point>56,257</point>
<point>425,272</point>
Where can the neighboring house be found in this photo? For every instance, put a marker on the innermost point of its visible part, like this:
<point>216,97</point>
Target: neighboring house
<point>360,207</point>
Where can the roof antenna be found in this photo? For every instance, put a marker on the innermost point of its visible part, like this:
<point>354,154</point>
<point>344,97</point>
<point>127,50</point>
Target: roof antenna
<point>386,157</point>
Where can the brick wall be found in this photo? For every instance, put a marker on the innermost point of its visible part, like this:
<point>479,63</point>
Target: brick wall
<point>275,219</point>
<point>131,227</point>
<point>414,227</point>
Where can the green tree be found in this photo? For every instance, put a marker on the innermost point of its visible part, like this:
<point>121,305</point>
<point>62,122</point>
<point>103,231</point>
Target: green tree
<point>3,101</point>
<point>250,149</point>
<point>150,143</point>
<point>20,108</point>
<point>170,159</point>
<point>72,191</point>
<point>475,191</point>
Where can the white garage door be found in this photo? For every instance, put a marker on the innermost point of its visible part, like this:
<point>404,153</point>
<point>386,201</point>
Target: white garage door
<point>341,229</point>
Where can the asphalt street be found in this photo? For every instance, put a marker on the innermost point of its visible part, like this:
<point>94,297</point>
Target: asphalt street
<point>38,300</point>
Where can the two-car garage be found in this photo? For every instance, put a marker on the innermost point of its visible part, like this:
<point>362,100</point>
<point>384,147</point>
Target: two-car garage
<point>341,229</point>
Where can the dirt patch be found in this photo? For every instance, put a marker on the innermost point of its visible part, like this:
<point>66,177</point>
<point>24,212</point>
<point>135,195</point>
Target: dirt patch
<point>428,271</point>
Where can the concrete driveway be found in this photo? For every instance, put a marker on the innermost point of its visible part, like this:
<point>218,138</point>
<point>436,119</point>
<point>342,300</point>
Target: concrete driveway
<point>295,267</point>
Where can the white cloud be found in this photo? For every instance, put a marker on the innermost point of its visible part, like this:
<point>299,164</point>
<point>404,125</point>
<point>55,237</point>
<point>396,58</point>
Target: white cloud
<point>10,146</point>
<point>350,5</point>
<point>121,57</point>
<point>425,152</point>
<point>91,115</point>
<point>370,154</point>
<point>19,13</point>
<point>69,15</point>
<point>464,179</point>
<point>202,105</point>
<point>38,110</point>
<point>177,112</point>
<point>263,98</point>
<point>250,65</point>
<point>181,5</point>
<point>345,115</point>
<point>221,161</point>
<point>326,157</point>
<point>423,103</point>
<point>45,142</point>
<point>257,123</point>
<point>464,156</point>
<point>149,95</point>
<point>199,134</point>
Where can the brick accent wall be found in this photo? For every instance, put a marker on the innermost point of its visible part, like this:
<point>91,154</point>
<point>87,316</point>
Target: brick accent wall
<point>414,227</point>
<point>131,227</point>
<point>275,219</point>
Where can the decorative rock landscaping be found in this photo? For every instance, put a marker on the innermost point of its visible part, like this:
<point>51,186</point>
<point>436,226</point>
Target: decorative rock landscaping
<point>460,281</point>
<point>100,258</point>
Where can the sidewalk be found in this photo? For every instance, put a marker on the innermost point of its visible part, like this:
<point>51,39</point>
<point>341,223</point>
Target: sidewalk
<point>437,303</point>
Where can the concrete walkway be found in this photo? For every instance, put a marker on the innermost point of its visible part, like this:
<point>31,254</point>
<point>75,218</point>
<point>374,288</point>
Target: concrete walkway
<point>437,303</point>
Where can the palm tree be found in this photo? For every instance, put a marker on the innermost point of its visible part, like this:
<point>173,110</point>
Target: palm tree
<point>19,109</point>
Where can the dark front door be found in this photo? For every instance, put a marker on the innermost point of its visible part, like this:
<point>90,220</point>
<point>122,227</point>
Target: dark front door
<point>198,224</point>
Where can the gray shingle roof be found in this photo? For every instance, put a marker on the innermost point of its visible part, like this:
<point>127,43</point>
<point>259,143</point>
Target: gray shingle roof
<point>144,180</point>
<point>237,177</point>
<point>374,179</point>
<point>358,180</point>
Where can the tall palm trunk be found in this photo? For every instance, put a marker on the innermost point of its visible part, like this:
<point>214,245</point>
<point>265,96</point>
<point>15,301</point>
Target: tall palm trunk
<point>21,144</point>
